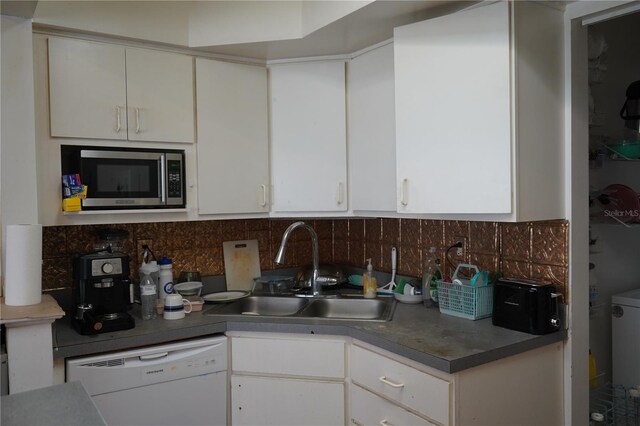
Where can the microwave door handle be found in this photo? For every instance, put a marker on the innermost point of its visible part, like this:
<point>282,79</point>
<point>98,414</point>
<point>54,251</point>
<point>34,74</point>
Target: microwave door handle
<point>163,179</point>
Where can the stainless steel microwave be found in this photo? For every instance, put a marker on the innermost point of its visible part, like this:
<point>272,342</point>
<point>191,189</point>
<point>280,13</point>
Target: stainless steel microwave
<point>127,178</point>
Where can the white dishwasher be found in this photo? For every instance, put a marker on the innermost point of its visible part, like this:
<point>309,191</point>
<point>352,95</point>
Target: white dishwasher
<point>183,383</point>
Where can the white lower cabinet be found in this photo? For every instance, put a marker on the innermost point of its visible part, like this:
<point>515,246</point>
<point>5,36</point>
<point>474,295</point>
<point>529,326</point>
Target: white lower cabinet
<point>277,401</point>
<point>370,409</point>
<point>405,386</point>
<point>287,379</point>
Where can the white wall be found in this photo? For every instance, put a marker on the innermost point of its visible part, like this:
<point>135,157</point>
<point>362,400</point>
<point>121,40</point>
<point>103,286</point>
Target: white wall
<point>164,22</point>
<point>18,187</point>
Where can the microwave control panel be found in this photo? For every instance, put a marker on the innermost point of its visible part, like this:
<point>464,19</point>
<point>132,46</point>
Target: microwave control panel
<point>174,178</point>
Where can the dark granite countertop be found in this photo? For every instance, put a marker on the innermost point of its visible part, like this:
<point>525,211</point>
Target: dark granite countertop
<point>444,342</point>
<point>67,404</point>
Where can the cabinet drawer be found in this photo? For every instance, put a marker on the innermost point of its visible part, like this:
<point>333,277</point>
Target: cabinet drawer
<point>407,386</point>
<point>369,409</point>
<point>298,357</point>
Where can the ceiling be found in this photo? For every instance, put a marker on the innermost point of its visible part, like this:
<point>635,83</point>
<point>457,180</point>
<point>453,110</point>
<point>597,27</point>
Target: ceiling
<point>21,8</point>
<point>262,30</point>
<point>367,26</point>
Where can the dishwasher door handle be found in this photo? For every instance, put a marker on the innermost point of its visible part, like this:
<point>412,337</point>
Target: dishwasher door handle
<point>153,356</point>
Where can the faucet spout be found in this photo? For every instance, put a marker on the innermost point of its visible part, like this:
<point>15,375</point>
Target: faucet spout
<point>316,288</point>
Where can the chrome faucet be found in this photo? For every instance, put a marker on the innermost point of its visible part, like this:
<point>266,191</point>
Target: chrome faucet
<point>316,288</point>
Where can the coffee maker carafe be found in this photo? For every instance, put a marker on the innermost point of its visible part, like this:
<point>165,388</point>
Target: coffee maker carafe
<point>101,292</point>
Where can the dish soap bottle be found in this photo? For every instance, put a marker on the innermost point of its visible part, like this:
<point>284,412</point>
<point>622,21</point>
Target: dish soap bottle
<point>369,284</point>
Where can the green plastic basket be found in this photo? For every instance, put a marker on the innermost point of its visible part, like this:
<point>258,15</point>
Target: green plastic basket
<point>465,301</point>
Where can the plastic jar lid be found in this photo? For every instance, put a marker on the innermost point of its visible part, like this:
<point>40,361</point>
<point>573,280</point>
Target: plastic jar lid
<point>189,285</point>
<point>164,261</point>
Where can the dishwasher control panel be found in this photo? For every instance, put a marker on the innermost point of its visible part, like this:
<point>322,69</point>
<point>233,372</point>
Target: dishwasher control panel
<point>183,365</point>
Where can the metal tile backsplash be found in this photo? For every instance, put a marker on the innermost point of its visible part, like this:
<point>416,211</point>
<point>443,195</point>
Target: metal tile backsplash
<point>519,250</point>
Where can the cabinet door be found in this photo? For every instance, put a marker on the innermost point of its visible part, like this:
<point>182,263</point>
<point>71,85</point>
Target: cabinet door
<point>308,137</point>
<point>233,144</point>
<point>275,401</point>
<point>204,403</point>
<point>372,155</point>
<point>160,96</point>
<point>367,409</point>
<point>87,91</point>
<point>453,115</point>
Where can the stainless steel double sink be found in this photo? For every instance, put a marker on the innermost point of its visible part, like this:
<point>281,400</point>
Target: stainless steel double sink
<point>347,308</point>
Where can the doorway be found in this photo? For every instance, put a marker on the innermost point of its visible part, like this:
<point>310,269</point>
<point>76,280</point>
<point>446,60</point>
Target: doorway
<point>579,17</point>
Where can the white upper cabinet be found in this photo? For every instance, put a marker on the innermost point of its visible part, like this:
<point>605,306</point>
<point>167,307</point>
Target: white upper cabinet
<point>308,137</point>
<point>160,96</point>
<point>479,117</point>
<point>371,117</point>
<point>103,91</point>
<point>87,89</point>
<point>233,137</point>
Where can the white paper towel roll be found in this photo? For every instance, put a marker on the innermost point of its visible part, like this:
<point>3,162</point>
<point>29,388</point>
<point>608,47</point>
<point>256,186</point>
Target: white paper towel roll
<point>23,278</point>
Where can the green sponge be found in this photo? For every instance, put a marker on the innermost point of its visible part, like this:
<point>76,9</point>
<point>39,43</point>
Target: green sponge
<point>400,287</point>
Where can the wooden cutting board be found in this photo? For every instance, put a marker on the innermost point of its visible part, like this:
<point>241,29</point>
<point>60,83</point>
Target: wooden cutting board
<point>241,263</point>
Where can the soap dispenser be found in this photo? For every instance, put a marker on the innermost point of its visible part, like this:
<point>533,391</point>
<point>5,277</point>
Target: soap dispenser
<point>369,284</point>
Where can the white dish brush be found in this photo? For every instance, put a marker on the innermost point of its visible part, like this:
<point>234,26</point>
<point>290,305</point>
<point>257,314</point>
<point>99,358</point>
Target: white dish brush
<point>390,286</point>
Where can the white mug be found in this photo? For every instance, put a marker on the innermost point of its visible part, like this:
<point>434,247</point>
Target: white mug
<point>174,307</point>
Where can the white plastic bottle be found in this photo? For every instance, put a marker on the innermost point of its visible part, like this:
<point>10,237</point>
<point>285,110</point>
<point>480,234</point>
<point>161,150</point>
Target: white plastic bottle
<point>148,297</point>
<point>165,284</point>
<point>152,269</point>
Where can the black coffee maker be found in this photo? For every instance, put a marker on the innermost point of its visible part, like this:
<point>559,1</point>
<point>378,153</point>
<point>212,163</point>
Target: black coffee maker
<point>101,292</point>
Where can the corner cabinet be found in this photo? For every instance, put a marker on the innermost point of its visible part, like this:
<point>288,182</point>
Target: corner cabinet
<point>301,379</point>
<point>523,389</point>
<point>308,136</point>
<point>105,91</point>
<point>479,113</point>
<point>233,138</point>
<point>371,118</point>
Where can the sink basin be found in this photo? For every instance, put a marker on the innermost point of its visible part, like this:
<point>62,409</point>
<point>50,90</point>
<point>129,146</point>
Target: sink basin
<point>362,309</point>
<point>267,306</point>
<point>345,309</point>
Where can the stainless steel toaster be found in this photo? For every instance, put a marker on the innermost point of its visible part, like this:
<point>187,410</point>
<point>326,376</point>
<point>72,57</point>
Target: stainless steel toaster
<point>526,305</point>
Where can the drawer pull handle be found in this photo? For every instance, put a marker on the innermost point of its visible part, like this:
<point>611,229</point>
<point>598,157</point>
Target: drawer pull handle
<point>386,381</point>
<point>385,422</point>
